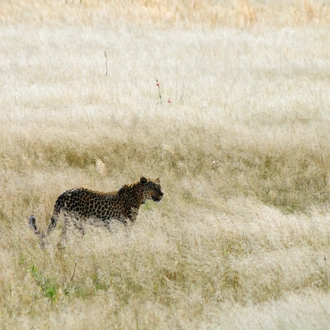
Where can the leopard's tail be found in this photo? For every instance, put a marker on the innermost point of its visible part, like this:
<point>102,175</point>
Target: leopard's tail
<point>32,224</point>
<point>52,225</point>
<point>53,221</point>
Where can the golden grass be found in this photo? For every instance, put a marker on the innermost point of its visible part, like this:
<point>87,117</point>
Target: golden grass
<point>155,13</point>
<point>241,239</point>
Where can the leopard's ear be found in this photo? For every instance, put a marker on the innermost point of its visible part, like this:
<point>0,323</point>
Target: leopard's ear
<point>157,180</point>
<point>143,180</point>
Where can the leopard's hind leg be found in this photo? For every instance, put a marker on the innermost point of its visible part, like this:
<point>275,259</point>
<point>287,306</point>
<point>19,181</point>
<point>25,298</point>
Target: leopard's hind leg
<point>72,222</point>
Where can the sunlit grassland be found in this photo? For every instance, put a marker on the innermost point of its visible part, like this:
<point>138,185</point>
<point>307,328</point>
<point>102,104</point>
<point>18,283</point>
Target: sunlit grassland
<point>241,239</point>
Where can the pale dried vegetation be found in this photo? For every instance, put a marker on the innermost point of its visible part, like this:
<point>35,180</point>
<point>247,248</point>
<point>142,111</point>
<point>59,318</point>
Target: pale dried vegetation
<point>242,236</point>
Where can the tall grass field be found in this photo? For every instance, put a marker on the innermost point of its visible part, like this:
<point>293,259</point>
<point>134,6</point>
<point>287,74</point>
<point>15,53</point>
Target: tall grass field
<point>228,102</point>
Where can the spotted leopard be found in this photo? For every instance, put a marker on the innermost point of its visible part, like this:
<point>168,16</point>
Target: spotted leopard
<point>82,205</point>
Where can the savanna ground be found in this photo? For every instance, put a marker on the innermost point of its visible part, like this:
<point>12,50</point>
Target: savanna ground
<point>242,236</point>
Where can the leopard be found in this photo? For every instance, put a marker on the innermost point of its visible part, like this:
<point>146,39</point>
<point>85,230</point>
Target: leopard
<point>81,205</point>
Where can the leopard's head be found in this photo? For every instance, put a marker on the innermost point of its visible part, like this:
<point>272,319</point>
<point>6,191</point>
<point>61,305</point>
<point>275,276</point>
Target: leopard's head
<point>151,189</point>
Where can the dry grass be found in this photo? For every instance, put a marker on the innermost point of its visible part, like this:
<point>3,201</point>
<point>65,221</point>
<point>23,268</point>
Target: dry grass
<point>154,13</point>
<point>242,236</point>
